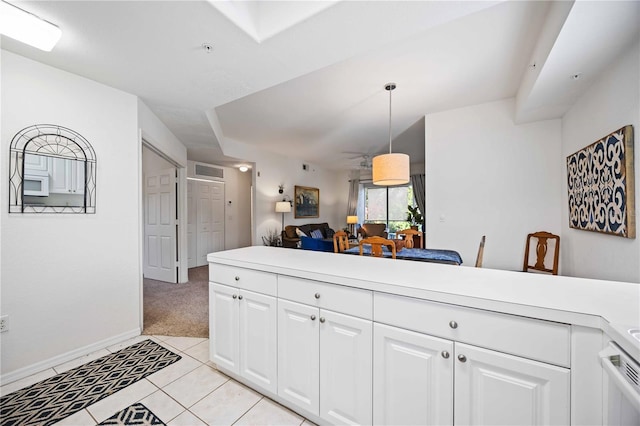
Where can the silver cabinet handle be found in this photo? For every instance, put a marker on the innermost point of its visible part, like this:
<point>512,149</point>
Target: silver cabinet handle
<point>240,297</point>
<point>237,278</point>
<point>322,319</point>
<point>453,324</point>
<point>235,296</point>
<point>317,295</point>
<point>462,358</point>
<point>445,354</point>
<point>313,317</point>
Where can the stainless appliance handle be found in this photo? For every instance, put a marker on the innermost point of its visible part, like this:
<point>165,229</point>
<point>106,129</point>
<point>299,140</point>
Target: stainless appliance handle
<point>614,374</point>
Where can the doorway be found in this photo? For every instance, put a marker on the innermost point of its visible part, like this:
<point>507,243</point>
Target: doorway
<point>160,213</point>
<point>206,219</point>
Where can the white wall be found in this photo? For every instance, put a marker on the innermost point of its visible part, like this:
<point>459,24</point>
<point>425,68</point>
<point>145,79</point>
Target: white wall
<point>70,281</point>
<point>611,103</point>
<point>486,175</point>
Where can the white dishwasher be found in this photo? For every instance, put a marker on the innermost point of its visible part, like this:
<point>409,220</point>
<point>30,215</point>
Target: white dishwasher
<point>621,387</point>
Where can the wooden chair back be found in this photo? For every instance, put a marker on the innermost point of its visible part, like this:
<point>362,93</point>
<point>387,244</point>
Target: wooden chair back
<point>480,252</point>
<point>376,244</point>
<point>408,237</point>
<point>340,241</point>
<point>541,252</point>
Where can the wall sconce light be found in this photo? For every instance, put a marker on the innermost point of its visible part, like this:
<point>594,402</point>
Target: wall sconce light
<point>280,189</point>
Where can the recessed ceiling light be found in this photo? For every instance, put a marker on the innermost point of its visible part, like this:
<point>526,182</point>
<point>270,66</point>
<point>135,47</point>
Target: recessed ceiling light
<point>576,76</point>
<point>243,168</point>
<point>27,28</point>
<point>207,47</point>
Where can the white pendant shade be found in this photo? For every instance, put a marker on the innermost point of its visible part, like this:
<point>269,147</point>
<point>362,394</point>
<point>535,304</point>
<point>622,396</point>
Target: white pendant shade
<point>391,169</point>
<point>283,207</point>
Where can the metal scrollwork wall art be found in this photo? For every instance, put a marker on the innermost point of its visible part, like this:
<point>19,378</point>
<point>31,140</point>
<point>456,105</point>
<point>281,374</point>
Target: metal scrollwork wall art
<point>601,185</point>
<point>52,169</point>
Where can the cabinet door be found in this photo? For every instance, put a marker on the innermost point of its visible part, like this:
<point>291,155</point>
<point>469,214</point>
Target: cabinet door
<point>258,349</point>
<point>345,369</point>
<point>499,389</point>
<point>60,176</point>
<point>298,355</point>
<point>223,325</point>
<point>77,176</point>
<point>412,378</point>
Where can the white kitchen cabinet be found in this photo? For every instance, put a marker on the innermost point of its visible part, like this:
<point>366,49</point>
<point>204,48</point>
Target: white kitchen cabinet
<point>66,176</point>
<point>500,389</point>
<point>324,362</point>
<point>412,378</point>
<point>299,355</point>
<point>243,329</point>
<point>345,368</point>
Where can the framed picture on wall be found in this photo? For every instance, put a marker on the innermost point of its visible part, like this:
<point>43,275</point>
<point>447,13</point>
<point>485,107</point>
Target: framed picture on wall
<point>307,202</point>
<point>600,183</point>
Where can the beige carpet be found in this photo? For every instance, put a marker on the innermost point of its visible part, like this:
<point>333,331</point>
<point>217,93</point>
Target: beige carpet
<point>178,309</point>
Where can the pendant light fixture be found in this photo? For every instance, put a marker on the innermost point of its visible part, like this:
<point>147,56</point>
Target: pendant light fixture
<point>390,169</point>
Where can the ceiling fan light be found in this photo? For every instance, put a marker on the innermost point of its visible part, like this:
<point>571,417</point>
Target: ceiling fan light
<point>27,27</point>
<point>391,169</point>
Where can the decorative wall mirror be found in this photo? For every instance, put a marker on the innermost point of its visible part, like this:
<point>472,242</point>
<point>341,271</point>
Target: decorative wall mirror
<point>52,170</point>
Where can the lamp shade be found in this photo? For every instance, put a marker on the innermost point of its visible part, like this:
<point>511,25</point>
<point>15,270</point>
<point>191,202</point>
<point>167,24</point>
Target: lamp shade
<point>283,207</point>
<point>352,219</point>
<point>390,169</point>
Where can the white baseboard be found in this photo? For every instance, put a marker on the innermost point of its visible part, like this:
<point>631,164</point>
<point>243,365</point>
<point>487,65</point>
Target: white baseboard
<point>29,370</point>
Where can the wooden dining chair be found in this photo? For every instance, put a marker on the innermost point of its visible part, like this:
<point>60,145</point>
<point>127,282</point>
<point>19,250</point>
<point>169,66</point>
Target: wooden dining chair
<point>408,237</point>
<point>542,248</point>
<point>376,244</point>
<point>480,252</point>
<point>340,241</point>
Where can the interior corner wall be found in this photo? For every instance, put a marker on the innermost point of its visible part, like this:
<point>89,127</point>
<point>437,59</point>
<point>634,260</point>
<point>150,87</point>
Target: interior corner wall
<point>272,170</point>
<point>486,175</point>
<point>70,282</point>
<point>610,103</point>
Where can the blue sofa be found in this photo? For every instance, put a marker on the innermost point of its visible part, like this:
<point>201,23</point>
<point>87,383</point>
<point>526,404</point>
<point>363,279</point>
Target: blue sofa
<point>317,244</point>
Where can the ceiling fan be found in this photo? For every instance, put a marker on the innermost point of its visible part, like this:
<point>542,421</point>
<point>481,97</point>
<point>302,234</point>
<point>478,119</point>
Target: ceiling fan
<point>365,159</point>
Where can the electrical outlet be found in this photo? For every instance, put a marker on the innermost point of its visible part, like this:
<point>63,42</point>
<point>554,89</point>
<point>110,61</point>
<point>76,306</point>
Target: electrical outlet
<point>4,323</point>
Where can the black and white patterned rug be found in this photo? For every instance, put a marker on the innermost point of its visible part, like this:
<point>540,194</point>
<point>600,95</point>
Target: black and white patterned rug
<point>57,397</point>
<point>136,414</point>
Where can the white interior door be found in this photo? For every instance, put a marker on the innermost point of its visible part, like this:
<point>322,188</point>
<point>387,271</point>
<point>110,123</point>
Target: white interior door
<point>209,218</point>
<point>160,225</point>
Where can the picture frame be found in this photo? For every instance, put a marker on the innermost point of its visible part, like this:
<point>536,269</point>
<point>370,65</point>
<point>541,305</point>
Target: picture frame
<point>307,202</point>
<point>601,185</point>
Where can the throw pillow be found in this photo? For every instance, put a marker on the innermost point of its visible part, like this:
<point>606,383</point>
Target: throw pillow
<point>316,233</point>
<point>299,233</point>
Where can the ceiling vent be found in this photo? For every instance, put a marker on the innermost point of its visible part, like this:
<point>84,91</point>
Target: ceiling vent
<point>204,171</point>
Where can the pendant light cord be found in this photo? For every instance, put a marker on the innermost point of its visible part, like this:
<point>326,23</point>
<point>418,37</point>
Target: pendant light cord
<point>390,90</point>
<point>390,87</point>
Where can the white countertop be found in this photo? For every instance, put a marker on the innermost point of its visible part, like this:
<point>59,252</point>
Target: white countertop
<point>610,305</point>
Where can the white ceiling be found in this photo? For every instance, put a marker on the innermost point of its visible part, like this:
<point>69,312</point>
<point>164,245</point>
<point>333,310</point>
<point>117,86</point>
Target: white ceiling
<point>307,80</point>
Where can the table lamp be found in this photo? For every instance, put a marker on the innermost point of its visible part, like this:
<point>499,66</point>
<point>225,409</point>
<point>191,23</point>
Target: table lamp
<point>351,221</point>
<point>283,207</point>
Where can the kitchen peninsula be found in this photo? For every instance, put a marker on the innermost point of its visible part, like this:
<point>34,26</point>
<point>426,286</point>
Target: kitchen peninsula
<point>360,340</point>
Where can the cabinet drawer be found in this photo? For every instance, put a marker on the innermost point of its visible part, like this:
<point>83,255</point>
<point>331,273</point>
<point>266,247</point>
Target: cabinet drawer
<point>531,338</point>
<point>337,298</point>
<point>247,279</point>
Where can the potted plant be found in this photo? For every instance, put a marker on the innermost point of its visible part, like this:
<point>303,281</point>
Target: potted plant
<point>414,217</point>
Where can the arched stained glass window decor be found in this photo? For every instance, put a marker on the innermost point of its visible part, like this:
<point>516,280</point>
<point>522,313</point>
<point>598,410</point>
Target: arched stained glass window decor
<point>52,169</point>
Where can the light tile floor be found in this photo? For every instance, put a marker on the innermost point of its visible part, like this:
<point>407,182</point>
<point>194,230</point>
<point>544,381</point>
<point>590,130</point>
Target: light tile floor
<point>190,392</point>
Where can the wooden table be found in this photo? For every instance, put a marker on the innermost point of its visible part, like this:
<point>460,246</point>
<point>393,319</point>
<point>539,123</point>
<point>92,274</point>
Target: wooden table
<point>423,255</point>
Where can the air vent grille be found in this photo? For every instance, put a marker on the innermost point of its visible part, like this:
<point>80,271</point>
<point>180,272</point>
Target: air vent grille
<point>209,171</point>
<point>632,373</point>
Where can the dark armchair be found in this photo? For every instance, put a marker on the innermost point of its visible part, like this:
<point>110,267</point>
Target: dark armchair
<point>373,230</point>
